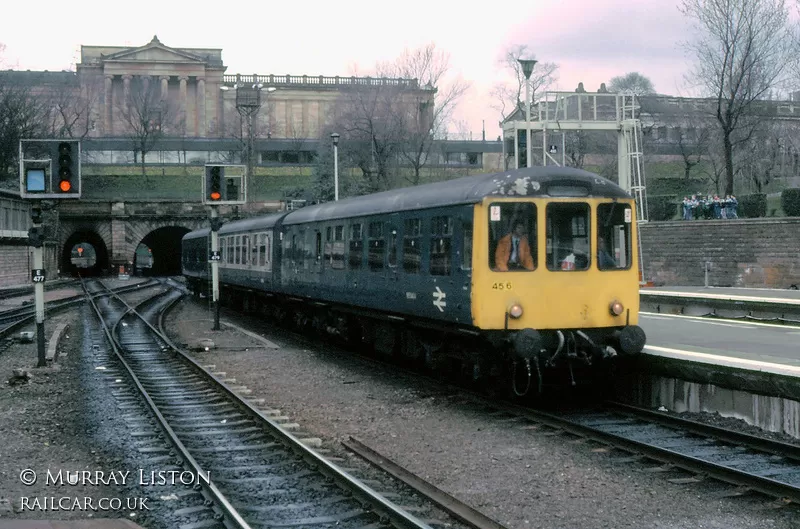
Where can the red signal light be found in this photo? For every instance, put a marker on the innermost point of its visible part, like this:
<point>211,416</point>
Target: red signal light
<point>215,195</point>
<point>65,185</point>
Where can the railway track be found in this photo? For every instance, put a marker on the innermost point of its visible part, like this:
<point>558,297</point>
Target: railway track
<point>12,319</point>
<point>748,463</point>
<point>259,473</point>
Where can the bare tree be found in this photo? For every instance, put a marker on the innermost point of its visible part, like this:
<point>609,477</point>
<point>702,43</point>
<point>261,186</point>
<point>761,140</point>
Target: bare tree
<point>71,108</point>
<point>21,117</point>
<point>423,117</point>
<point>692,146</point>
<point>744,49</point>
<point>147,116</point>
<point>508,96</point>
<point>632,82</point>
<point>367,117</point>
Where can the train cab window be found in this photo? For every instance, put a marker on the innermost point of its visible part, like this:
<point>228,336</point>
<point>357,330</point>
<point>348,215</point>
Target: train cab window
<point>567,245</point>
<point>391,258</point>
<point>377,246</point>
<point>356,246</point>
<point>441,247</point>
<point>614,236</point>
<point>512,237</point>
<point>337,252</point>
<point>412,256</point>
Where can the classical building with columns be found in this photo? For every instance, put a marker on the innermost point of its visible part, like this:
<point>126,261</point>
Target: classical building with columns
<point>190,97</point>
<point>203,97</point>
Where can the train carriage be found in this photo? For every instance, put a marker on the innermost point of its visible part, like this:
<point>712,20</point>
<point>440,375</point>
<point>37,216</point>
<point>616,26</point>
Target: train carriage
<point>535,266</point>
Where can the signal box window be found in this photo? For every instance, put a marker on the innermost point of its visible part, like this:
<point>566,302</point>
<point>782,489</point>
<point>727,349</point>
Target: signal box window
<point>411,242</point>
<point>568,236</point>
<point>356,246</point>
<point>441,247</point>
<point>377,246</point>
<point>614,236</point>
<point>512,237</point>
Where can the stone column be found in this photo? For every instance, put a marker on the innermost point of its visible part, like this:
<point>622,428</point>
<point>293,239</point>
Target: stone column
<point>126,89</point>
<point>107,109</point>
<point>201,108</point>
<point>164,87</point>
<point>146,84</point>
<point>182,98</point>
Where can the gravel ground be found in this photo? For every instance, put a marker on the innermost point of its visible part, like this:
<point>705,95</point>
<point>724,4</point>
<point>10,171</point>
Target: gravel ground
<point>64,419</point>
<point>514,474</point>
<point>68,418</point>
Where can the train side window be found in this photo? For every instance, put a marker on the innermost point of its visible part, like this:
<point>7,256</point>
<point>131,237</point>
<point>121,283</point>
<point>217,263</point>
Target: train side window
<point>567,245</point>
<point>356,246</point>
<point>262,249</point>
<point>392,257</point>
<point>238,250</point>
<point>327,256</point>
<point>337,252</point>
<point>268,244</point>
<point>245,249</point>
<point>512,237</point>
<point>466,257</point>
<point>318,246</point>
<point>614,236</point>
<point>230,249</point>
<point>441,247</point>
<point>412,255</point>
<point>377,245</point>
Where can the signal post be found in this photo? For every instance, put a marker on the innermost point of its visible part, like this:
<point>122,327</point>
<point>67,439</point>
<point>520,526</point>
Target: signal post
<point>223,185</point>
<point>48,169</point>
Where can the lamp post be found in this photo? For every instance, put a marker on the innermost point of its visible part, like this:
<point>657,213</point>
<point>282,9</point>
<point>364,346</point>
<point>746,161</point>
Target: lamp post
<point>248,103</point>
<point>527,70</point>
<point>335,139</point>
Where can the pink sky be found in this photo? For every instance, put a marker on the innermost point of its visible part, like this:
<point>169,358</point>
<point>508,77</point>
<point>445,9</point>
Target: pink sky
<point>591,40</point>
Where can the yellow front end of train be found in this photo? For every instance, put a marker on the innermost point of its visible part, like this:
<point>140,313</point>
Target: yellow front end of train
<point>558,277</point>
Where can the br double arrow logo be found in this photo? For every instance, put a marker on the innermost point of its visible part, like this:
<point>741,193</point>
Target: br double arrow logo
<point>438,299</point>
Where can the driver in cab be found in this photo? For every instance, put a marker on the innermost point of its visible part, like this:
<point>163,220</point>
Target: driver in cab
<point>513,251</point>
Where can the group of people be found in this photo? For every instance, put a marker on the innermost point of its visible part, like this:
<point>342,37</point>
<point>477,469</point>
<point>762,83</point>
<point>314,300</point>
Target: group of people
<point>710,207</point>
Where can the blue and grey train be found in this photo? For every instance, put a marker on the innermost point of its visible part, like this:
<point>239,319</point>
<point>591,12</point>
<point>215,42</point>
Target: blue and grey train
<point>416,273</point>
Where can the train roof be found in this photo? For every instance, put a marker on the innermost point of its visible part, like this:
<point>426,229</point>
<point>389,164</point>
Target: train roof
<point>196,234</point>
<point>526,182</point>
<point>251,224</point>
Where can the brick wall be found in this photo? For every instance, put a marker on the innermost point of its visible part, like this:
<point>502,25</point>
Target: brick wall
<point>15,265</point>
<point>743,253</point>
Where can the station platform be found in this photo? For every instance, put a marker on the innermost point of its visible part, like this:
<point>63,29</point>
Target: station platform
<point>743,338</point>
<point>758,304</point>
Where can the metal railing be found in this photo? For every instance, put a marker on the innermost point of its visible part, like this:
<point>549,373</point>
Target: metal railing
<point>319,80</point>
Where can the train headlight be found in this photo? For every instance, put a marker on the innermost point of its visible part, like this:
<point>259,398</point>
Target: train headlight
<point>616,308</point>
<point>515,311</point>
